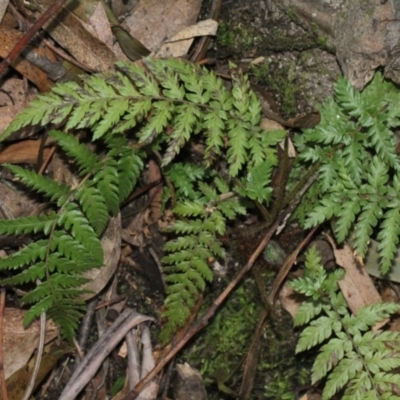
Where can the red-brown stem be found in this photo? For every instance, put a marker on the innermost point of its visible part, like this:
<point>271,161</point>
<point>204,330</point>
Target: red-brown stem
<point>14,53</point>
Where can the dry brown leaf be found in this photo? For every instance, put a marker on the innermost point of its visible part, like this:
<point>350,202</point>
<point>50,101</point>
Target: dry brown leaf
<point>179,44</point>
<point>17,383</point>
<point>26,151</point>
<point>66,28</point>
<point>357,286</point>
<point>99,26</point>
<point>111,242</point>
<point>154,21</point>
<point>19,343</point>
<point>18,203</point>
<point>3,8</point>
<point>290,300</point>
<point>9,38</point>
<point>12,101</point>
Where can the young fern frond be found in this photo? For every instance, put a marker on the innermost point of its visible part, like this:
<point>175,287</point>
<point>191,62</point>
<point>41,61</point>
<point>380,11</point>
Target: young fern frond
<point>353,357</point>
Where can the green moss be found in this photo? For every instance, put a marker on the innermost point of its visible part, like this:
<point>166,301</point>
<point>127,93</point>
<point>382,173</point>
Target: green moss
<point>225,36</point>
<point>281,80</point>
<point>291,13</point>
<point>238,37</point>
<point>220,352</point>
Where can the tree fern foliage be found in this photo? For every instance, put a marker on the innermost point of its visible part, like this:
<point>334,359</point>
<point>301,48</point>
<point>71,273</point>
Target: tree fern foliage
<point>70,232</point>
<point>354,150</point>
<point>159,105</point>
<point>354,359</point>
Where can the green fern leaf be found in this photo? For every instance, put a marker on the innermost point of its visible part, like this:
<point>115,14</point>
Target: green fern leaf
<point>346,219</point>
<point>55,191</point>
<point>26,225</point>
<point>306,312</point>
<point>257,182</point>
<point>316,333</point>
<point>389,236</point>
<point>130,166</point>
<point>107,183</point>
<point>94,207</point>
<point>86,159</point>
<point>348,97</point>
<point>324,211</point>
<point>329,357</point>
<point>34,251</point>
<point>189,208</point>
<point>369,315</point>
<point>367,220</point>
<point>116,109</point>
<point>342,374</point>
<point>73,220</point>
<point>237,151</point>
<point>215,124</point>
<point>35,271</point>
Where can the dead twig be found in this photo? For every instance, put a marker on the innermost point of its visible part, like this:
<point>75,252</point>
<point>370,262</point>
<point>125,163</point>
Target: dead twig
<point>103,347</point>
<point>39,355</point>
<point>16,51</point>
<point>287,265</point>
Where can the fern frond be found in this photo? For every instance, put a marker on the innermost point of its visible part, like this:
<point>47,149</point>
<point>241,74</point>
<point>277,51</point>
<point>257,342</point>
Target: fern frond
<point>32,224</point>
<point>354,358</point>
<point>359,167</point>
<point>86,159</point>
<point>184,177</point>
<point>94,207</point>
<point>71,243</point>
<point>56,192</point>
<point>388,236</point>
<point>32,252</point>
<point>107,182</point>
<point>187,258</point>
<point>67,321</point>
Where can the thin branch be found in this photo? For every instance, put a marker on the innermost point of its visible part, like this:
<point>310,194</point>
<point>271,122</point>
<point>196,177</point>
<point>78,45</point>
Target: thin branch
<point>16,51</point>
<point>39,355</point>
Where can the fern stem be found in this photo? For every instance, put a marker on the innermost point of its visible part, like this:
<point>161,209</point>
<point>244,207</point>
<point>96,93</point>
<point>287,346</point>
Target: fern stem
<point>289,198</point>
<point>283,175</point>
<point>266,214</point>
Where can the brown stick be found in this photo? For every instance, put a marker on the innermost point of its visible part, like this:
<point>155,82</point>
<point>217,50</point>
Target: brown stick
<point>14,53</point>
<point>221,298</point>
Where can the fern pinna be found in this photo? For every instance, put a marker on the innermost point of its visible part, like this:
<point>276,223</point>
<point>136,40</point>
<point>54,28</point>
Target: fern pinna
<point>70,234</point>
<point>162,104</point>
<point>354,358</point>
<point>354,151</point>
